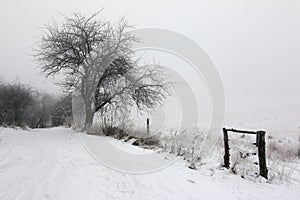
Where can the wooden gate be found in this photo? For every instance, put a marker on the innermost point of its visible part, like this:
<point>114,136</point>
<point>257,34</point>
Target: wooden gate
<point>260,144</point>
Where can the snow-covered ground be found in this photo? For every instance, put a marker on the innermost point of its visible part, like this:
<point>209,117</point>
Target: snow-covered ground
<point>54,164</point>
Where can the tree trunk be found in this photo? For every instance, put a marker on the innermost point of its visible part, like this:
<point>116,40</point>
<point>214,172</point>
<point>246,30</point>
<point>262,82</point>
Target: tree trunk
<point>89,115</point>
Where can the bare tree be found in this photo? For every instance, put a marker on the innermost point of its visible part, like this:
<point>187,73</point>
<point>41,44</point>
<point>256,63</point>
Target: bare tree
<point>96,59</point>
<point>124,84</point>
<point>62,112</point>
<point>44,107</point>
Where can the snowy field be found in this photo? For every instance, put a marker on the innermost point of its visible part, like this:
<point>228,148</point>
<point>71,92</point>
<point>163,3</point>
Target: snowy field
<point>53,164</point>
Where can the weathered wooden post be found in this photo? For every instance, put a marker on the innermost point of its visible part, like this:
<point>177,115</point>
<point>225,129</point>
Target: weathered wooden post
<point>148,126</point>
<point>257,139</point>
<point>226,147</point>
<point>263,170</point>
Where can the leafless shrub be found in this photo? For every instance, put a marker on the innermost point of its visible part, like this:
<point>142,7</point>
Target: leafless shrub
<point>186,143</point>
<point>22,105</point>
<point>114,132</point>
<point>149,142</point>
<point>15,101</point>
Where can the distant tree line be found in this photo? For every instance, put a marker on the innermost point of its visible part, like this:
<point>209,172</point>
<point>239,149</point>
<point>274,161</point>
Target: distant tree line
<point>22,105</point>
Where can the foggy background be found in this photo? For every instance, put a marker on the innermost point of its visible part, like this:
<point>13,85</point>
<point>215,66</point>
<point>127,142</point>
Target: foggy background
<point>254,45</point>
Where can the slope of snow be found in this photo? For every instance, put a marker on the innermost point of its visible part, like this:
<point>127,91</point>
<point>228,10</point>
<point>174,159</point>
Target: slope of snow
<point>53,164</point>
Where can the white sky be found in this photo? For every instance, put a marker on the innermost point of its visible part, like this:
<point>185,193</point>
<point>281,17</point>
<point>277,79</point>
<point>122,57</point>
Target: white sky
<point>254,44</point>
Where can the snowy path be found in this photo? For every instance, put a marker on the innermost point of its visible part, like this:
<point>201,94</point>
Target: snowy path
<point>53,164</point>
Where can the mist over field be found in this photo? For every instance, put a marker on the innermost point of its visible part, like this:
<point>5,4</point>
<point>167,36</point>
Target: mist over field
<point>253,44</point>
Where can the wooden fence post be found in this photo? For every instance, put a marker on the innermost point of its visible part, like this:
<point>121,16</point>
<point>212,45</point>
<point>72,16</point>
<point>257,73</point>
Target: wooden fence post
<point>226,147</point>
<point>148,126</point>
<point>263,171</point>
<point>257,139</point>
